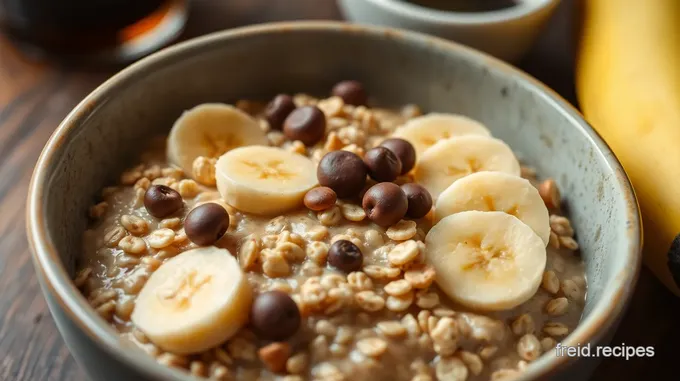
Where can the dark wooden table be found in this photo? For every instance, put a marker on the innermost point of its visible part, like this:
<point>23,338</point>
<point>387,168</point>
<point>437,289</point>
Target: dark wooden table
<point>34,97</point>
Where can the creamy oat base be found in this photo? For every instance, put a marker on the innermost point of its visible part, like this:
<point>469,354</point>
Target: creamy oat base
<point>367,325</point>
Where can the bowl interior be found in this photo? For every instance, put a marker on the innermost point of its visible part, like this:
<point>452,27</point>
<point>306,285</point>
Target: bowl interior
<point>107,131</point>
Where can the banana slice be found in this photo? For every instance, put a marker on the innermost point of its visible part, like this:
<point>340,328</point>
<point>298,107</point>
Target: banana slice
<point>264,180</point>
<point>487,261</point>
<point>496,191</point>
<point>424,131</point>
<point>209,130</point>
<point>451,159</point>
<point>194,301</point>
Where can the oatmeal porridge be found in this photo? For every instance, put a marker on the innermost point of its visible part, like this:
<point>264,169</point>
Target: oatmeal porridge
<point>323,239</point>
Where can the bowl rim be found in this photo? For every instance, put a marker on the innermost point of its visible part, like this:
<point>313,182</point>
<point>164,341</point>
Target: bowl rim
<point>56,281</point>
<point>430,15</point>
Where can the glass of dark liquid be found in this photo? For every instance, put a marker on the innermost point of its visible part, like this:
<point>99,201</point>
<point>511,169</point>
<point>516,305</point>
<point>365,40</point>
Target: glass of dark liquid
<point>107,31</point>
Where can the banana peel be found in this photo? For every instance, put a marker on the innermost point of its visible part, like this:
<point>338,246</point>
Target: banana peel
<point>628,87</point>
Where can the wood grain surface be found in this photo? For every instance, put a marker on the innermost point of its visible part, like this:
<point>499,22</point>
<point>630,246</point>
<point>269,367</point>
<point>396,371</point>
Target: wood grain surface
<point>34,97</point>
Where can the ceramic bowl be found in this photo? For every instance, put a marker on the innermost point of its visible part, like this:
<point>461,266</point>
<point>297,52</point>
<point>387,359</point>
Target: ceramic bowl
<point>104,133</point>
<point>505,33</point>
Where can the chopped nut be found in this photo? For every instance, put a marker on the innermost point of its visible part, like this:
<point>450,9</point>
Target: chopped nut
<point>82,277</point>
<point>276,138</point>
<point>550,194</point>
<point>170,223</point>
<point>297,364</point>
<point>359,281</point>
<point>528,347</point>
<point>561,225</point>
<point>472,361</point>
<point>317,233</point>
<point>161,238</point>
<point>391,328</point>
<point>106,310</point>
<point>404,253</point>
<point>333,142</point>
<point>330,217</point>
<point>372,347</point>
<point>568,243</point>
<point>327,372</point>
<point>374,238</point>
<point>353,212</point>
<point>331,106</point>
<point>132,245</point>
<point>113,236</point>
<point>188,188</point>
<point>313,295</point>
<point>175,173</point>
<point>528,173</point>
<point>277,225</point>
<point>420,275</point>
<point>411,111</point>
<point>274,264</point>
<point>274,356</point>
<point>402,230</point>
<point>550,282</point>
<point>172,360</point>
<point>443,312</point>
<point>324,327</point>
<point>399,303</point>
<point>134,224</point>
<point>97,211</point>
<point>451,369</point>
<point>131,176</point>
<point>290,251</point>
<point>398,287</point>
<point>153,172</point>
<point>571,290</point>
<point>505,375</point>
<point>488,352</point>
<point>427,300</point>
<point>557,306</point>
<point>380,272</point>
<point>242,349</point>
<point>369,301</point>
<point>297,147</point>
<point>198,369</point>
<point>548,343</point>
<point>317,252</point>
<point>522,325</point>
<point>411,325</point>
<point>423,320</point>
<point>554,241</point>
<point>444,336</point>
<point>249,251</point>
<point>555,329</point>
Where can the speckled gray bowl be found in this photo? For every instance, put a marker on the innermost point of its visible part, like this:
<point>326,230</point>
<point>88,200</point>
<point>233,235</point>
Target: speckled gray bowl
<point>102,136</point>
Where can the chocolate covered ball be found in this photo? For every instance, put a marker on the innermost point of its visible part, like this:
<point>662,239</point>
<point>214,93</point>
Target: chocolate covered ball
<point>404,151</point>
<point>306,124</point>
<point>351,92</point>
<point>382,164</point>
<point>161,201</point>
<point>278,110</point>
<point>419,200</point>
<point>342,171</point>
<point>274,315</point>
<point>320,198</point>
<point>206,224</point>
<point>345,256</point>
<point>385,204</point>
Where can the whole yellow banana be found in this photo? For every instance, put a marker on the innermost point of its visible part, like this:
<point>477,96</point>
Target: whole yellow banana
<point>628,86</point>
